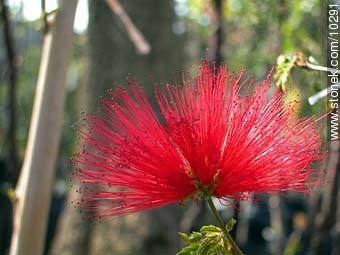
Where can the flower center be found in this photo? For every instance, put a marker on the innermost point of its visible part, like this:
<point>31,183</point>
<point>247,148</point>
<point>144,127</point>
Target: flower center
<point>202,191</point>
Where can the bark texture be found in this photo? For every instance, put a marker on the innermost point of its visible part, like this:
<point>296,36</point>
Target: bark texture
<point>33,191</point>
<point>112,57</point>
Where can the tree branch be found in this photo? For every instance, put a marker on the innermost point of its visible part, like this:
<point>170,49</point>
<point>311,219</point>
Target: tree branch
<point>142,46</point>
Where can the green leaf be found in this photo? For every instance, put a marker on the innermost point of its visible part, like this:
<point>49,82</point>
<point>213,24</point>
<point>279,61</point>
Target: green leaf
<point>210,228</point>
<point>231,223</point>
<point>189,250</point>
<point>210,240</point>
<point>184,237</point>
<point>196,236</point>
<point>284,65</point>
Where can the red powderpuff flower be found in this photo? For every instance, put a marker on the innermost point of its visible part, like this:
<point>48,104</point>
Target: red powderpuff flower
<point>215,142</point>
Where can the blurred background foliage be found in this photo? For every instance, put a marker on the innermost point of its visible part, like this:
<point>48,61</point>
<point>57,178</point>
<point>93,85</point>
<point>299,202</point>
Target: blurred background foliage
<point>180,32</point>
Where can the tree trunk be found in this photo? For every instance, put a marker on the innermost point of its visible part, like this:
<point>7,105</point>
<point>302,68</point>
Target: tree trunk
<point>336,227</point>
<point>12,83</point>
<point>74,232</point>
<point>327,217</point>
<point>276,202</point>
<point>73,235</point>
<point>112,56</point>
<point>219,34</point>
<point>33,190</point>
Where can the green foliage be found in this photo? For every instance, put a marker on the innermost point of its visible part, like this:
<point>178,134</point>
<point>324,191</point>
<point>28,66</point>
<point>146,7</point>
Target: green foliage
<point>291,75</point>
<point>256,32</point>
<point>231,223</point>
<point>210,240</point>
<point>7,189</point>
<point>285,63</point>
<point>292,247</point>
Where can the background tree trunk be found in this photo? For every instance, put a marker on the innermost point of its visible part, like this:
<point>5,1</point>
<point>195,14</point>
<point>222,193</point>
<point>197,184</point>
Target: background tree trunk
<point>336,227</point>
<point>74,232</point>
<point>219,34</point>
<point>13,161</point>
<point>327,217</point>
<point>112,56</point>
<point>33,190</point>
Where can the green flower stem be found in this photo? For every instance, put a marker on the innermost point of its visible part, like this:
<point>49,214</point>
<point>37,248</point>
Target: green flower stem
<point>233,244</point>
